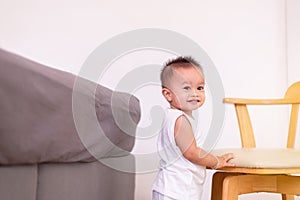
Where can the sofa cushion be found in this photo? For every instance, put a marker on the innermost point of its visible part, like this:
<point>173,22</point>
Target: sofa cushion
<point>19,182</point>
<point>37,121</point>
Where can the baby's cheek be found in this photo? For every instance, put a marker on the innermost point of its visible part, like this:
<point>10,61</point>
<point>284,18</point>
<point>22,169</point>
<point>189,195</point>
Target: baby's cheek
<point>203,98</point>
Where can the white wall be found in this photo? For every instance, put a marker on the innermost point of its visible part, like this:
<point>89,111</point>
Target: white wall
<point>245,39</point>
<point>293,45</point>
<point>293,40</point>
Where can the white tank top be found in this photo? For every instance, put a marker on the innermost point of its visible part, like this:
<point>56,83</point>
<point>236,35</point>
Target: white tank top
<point>177,178</point>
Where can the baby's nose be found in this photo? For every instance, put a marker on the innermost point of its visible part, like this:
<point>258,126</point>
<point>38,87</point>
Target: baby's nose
<point>195,92</point>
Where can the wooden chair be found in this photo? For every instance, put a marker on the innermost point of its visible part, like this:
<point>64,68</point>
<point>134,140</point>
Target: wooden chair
<point>263,175</point>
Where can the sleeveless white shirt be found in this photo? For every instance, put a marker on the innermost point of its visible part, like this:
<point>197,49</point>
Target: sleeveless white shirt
<point>177,178</point>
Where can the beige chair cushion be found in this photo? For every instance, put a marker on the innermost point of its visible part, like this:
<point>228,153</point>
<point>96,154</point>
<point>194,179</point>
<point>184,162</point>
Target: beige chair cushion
<point>263,158</point>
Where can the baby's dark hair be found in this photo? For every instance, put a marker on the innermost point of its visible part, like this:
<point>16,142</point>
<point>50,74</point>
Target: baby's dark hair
<point>181,61</point>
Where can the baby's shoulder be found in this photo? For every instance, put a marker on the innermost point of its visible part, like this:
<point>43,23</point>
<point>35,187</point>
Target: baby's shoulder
<point>173,114</point>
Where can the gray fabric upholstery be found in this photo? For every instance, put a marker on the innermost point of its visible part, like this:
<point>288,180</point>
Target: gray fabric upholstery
<point>65,181</point>
<point>37,124</point>
<point>18,182</point>
<point>89,181</point>
<point>42,156</point>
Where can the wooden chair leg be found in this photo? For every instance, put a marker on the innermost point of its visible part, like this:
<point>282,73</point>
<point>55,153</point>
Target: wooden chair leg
<point>217,184</point>
<point>230,188</point>
<point>244,184</point>
<point>287,197</point>
<point>288,186</point>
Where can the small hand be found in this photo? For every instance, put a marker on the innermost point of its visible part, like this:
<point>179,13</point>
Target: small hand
<point>223,161</point>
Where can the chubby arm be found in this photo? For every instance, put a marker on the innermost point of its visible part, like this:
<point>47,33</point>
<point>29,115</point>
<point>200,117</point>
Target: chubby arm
<point>186,142</point>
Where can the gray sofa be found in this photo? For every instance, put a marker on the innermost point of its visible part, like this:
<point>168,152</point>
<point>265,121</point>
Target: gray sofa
<point>44,155</point>
<point>65,181</point>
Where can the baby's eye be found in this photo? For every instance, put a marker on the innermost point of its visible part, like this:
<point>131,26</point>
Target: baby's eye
<point>200,88</point>
<point>186,88</point>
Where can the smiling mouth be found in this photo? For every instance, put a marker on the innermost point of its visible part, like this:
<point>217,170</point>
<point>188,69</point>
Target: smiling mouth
<point>194,101</point>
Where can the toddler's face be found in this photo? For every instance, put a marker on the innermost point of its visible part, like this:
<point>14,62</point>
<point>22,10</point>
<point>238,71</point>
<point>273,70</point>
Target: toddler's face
<point>186,89</point>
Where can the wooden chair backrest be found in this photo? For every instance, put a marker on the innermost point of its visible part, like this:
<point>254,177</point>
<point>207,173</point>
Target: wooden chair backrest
<point>292,97</point>
<point>293,92</point>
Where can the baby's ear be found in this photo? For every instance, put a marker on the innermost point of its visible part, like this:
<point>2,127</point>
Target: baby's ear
<point>167,94</point>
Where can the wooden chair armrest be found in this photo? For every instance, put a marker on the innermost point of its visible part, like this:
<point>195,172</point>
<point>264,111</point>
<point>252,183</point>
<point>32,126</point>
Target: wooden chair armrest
<point>242,101</point>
